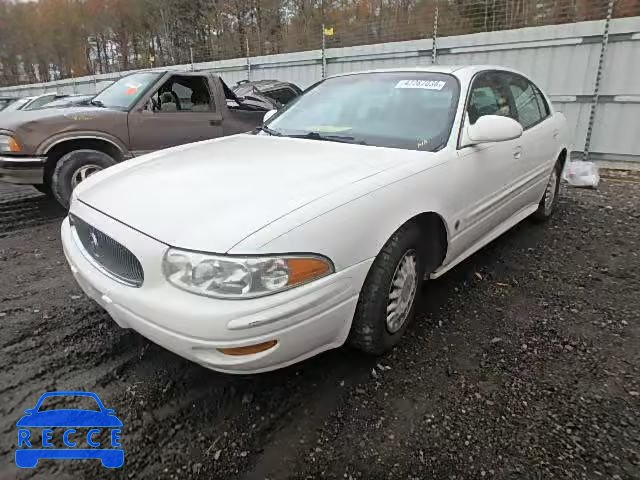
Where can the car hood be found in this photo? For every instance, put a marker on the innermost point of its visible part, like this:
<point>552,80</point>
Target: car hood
<point>211,195</point>
<point>20,118</point>
<point>69,418</point>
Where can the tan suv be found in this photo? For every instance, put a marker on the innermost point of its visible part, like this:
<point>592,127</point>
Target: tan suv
<point>55,149</point>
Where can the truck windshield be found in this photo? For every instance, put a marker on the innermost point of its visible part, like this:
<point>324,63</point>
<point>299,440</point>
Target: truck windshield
<point>126,91</point>
<point>408,110</point>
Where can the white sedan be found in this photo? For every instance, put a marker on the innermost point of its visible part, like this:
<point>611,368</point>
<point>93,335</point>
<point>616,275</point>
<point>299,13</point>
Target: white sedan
<point>251,252</point>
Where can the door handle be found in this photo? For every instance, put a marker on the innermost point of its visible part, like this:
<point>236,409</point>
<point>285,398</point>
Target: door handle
<point>215,123</point>
<point>517,153</point>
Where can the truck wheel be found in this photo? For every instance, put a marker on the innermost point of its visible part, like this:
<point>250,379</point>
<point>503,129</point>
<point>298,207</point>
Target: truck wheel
<point>74,167</point>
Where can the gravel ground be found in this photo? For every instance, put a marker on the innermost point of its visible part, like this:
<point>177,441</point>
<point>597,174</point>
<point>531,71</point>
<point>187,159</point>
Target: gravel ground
<point>524,363</point>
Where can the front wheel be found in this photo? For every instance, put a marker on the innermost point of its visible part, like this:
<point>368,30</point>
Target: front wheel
<point>75,167</point>
<point>387,301</point>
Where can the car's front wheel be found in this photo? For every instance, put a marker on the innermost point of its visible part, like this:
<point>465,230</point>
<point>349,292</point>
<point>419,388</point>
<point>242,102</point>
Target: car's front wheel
<point>75,167</point>
<point>387,301</point>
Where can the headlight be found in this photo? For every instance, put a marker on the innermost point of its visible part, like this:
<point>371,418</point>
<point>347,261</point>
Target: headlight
<point>9,144</point>
<point>236,277</point>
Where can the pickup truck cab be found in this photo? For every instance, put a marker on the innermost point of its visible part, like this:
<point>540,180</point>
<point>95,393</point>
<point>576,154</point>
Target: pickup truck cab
<point>55,149</point>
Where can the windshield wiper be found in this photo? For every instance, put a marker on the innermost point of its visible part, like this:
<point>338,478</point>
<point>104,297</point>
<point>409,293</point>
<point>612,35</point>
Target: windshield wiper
<point>268,130</point>
<point>328,138</point>
<point>98,103</point>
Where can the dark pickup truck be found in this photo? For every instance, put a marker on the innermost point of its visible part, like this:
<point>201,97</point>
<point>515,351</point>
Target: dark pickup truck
<point>55,149</point>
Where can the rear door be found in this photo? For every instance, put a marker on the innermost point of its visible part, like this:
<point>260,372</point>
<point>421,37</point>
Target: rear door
<point>182,110</point>
<point>539,142</point>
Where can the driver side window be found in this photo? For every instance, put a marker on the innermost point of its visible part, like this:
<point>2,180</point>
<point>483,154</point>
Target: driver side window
<point>488,97</point>
<point>183,94</point>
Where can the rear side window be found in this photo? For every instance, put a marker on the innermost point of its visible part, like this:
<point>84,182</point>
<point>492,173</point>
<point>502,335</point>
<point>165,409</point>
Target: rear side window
<point>530,106</point>
<point>183,94</point>
<point>544,106</point>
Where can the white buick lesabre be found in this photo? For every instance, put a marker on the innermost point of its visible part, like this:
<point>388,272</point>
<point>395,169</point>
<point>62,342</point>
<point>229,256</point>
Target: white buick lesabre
<point>251,252</point>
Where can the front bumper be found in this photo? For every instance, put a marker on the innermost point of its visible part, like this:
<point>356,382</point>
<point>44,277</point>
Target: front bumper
<point>22,170</point>
<point>304,321</point>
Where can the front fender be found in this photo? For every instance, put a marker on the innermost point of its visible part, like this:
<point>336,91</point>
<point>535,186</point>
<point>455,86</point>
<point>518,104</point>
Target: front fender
<point>356,230</point>
<point>61,137</point>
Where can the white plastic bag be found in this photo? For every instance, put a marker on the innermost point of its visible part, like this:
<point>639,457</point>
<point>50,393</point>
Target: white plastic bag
<point>581,174</point>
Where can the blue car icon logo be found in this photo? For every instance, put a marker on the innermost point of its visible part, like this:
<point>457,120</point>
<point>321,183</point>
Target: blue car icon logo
<point>81,426</point>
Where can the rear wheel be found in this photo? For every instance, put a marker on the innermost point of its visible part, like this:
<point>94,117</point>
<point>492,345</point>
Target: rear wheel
<point>75,167</point>
<point>547,204</point>
<point>387,301</point>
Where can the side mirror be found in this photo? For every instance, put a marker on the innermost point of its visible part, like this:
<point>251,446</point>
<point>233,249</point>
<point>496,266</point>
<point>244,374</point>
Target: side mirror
<point>29,411</point>
<point>494,128</point>
<point>268,115</point>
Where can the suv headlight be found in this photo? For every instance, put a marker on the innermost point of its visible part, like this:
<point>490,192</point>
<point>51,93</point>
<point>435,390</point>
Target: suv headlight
<point>8,144</point>
<point>237,277</point>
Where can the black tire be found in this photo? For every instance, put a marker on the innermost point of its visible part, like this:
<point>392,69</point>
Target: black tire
<point>545,210</point>
<point>369,330</point>
<point>69,166</point>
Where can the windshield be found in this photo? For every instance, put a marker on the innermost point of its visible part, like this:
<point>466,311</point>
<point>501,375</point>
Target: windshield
<point>17,105</point>
<point>409,110</point>
<point>5,101</point>
<point>124,93</point>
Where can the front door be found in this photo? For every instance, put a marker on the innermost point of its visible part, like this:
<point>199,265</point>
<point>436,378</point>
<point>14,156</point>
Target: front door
<point>181,111</point>
<point>483,173</point>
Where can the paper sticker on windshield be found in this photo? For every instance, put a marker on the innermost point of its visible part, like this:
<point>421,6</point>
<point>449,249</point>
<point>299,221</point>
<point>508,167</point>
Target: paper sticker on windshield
<point>132,88</point>
<point>424,84</point>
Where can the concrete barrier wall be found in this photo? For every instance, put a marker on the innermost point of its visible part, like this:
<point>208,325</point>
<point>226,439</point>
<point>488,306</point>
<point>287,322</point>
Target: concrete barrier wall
<point>562,59</point>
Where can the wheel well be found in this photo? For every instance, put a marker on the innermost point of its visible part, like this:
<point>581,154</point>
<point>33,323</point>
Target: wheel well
<point>434,231</point>
<point>563,157</point>
<point>60,149</point>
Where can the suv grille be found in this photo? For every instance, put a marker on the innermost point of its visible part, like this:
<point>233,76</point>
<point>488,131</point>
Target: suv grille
<point>114,258</point>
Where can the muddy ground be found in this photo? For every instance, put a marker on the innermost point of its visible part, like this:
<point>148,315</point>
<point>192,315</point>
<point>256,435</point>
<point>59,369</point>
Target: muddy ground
<point>524,363</point>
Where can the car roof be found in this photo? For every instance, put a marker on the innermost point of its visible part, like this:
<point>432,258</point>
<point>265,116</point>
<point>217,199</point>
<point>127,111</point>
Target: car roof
<point>460,71</point>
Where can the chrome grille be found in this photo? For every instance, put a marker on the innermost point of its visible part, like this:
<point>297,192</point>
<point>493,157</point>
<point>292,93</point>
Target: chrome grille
<point>114,258</point>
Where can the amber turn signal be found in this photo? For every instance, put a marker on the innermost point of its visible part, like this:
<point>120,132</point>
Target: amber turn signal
<point>302,270</point>
<point>249,349</point>
<point>13,145</point>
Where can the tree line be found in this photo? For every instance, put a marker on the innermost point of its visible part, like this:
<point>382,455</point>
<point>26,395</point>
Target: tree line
<point>47,40</point>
